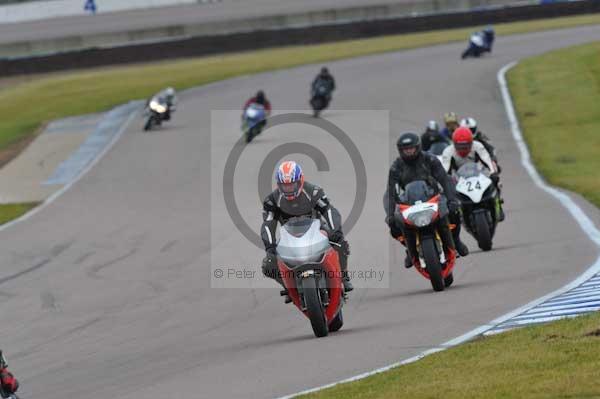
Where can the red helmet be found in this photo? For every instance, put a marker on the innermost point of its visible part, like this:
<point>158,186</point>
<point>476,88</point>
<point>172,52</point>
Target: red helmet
<point>463,141</point>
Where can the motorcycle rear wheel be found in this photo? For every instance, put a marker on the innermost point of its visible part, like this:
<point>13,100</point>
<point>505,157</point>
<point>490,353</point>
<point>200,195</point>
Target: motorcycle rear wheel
<point>483,230</point>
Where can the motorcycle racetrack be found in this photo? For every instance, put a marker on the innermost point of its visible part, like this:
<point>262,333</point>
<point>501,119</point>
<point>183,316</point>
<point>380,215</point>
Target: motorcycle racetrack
<point>107,291</point>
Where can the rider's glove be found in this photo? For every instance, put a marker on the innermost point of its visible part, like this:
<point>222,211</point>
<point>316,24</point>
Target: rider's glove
<point>495,178</point>
<point>336,236</point>
<point>269,264</point>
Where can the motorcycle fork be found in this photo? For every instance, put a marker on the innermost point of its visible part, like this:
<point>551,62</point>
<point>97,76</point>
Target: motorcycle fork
<point>323,291</point>
<point>439,245</point>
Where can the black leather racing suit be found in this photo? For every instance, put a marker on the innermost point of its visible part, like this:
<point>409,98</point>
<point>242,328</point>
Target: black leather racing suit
<point>428,168</point>
<point>311,202</point>
<point>326,79</point>
<point>430,137</point>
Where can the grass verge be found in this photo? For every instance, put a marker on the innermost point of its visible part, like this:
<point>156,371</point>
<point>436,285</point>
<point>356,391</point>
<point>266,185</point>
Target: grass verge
<point>32,103</point>
<point>10,212</point>
<point>557,98</point>
<point>558,360</point>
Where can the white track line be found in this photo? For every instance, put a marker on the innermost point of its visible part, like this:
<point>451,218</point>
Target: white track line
<point>580,217</point>
<point>85,170</point>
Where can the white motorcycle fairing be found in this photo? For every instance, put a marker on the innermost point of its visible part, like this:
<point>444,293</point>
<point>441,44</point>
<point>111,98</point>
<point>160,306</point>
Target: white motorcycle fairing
<point>308,247</point>
<point>473,187</point>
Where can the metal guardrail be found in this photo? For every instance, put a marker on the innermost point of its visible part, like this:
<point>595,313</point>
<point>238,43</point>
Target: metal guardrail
<point>235,42</point>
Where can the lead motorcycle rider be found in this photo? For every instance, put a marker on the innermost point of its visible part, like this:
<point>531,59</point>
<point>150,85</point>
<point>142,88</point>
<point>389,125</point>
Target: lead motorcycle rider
<point>414,164</point>
<point>167,97</point>
<point>465,149</point>
<point>294,197</point>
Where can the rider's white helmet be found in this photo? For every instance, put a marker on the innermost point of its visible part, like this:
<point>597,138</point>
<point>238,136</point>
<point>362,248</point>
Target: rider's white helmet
<point>471,123</point>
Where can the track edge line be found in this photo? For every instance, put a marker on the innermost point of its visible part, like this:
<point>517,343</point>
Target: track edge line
<point>80,175</point>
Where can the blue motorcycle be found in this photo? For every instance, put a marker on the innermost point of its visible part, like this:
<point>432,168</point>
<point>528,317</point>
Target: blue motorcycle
<point>253,121</point>
<point>479,43</point>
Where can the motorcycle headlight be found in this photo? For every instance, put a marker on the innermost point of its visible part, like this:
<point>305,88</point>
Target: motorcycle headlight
<point>155,106</point>
<point>421,219</point>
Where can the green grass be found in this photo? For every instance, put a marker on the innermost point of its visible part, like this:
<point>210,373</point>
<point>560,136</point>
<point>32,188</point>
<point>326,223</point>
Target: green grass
<point>557,97</point>
<point>35,102</point>
<point>558,360</point>
<point>9,212</point>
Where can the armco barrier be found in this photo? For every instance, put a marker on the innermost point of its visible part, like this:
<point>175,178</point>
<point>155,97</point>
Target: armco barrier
<point>220,25</point>
<point>217,44</point>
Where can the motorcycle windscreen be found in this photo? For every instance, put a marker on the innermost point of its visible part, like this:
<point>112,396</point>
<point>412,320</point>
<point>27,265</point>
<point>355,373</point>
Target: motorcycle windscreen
<point>301,241</point>
<point>417,191</point>
<point>438,147</point>
<point>473,181</point>
<point>470,169</point>
<point>255,111</point>
<point>477,40</point>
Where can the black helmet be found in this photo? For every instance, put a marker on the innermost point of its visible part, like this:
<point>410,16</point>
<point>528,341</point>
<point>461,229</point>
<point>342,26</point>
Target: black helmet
<point>409,146</point>
<point>260,97</point>
<point>324,71</point>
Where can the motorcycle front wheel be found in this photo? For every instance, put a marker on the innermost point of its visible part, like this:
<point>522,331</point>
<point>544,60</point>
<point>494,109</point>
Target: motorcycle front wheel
<point>432,262</point>
<point>314,307</point>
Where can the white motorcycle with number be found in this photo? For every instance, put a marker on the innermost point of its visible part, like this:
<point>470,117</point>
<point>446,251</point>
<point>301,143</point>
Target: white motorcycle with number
<point>478,197</point>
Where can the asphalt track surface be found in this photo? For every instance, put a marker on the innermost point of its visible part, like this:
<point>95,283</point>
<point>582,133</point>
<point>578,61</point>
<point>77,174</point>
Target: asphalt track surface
<point>106,292</point>
<point>166,16</point>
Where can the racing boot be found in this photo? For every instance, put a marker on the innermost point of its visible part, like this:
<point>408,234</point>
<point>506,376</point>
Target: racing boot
<point>269,269</point>
<point>344,251</point>
<point>346,282</point>
<point>408,262</point>
<point>461,248</point>
<point>284,293</point>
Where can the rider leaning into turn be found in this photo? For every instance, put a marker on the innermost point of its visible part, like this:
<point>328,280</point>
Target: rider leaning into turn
<point>294,197</point>
<point>259,98</point>
<point>167,97</point>
<point>413,164</point>
<point>465,149</point>
<point>8,383</point>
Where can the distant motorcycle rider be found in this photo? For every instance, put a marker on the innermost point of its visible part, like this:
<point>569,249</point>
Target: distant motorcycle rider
<point>168,98</point>
<point>488,36</point>
<point>259,98</point>
<point>324,78</point>
<point>465,149</point>
<point>450,124</point>
<point>478,135</point>
<point>8,383</point>
<point>432,135</point>
<point>294,197</point>
<point>414,164</point>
